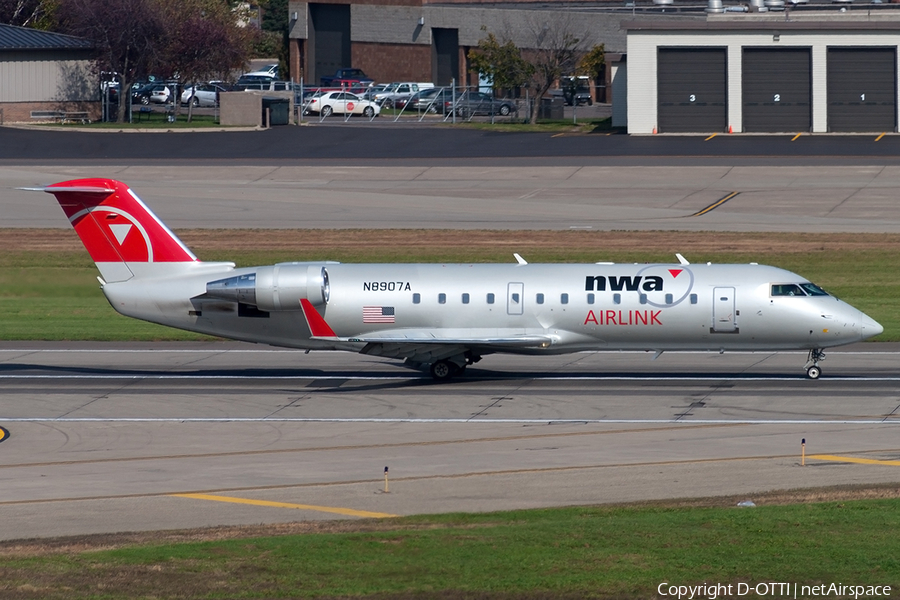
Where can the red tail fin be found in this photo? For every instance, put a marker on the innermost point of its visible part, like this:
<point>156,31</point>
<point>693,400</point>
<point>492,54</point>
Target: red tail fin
<point>115,225</point>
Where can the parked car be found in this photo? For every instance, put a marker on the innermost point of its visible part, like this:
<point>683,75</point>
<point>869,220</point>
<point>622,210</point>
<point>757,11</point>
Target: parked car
<point>140,92</point>
<point>266,85</point>
<point>399,90</point>
<point>576,90</point>
<point>371,90</point>
<point>160,94</point>
<point>342,103</point>
<point>346,75</point>
<point>431,100</point>
<point>244,80</point>
<point>204,94</point>
<point>478,103</point>
<point>270,71</point>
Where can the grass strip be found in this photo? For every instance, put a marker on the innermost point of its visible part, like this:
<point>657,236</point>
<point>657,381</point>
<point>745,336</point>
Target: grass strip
<point>49,290</point>
<point>584,552</point>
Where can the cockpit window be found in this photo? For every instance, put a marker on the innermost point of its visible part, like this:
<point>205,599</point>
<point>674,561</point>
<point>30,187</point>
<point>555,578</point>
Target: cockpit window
<point>813,290</point>
<point>787,289</point>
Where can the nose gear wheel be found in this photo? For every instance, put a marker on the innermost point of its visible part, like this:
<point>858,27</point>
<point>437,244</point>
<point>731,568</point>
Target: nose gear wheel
<point>813,370</point>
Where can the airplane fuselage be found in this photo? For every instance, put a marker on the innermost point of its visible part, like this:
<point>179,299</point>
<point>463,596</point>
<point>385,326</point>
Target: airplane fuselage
<point>575,306</point>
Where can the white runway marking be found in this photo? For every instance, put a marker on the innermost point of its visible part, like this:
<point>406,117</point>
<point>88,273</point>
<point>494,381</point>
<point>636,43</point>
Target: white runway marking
<point>486,378</point>
<point>675,421</point>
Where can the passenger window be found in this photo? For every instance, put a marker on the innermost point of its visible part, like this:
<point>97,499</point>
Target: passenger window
<point>693,298</point>
<point>643,298</point>
<point>490,298</point>
<point>465,298</point>
<point>442,298</point>
<point>669,298</point>
<point>539,298</point>
<point>787,289</point>
<point>590,298</point>
<point>563,298</point>
<point>417,298</point>
<point>617,298</point>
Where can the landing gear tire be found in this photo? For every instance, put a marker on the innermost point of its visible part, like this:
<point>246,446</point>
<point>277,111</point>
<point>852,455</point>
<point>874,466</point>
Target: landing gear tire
<point>813,371</point>
<point>443,370</point>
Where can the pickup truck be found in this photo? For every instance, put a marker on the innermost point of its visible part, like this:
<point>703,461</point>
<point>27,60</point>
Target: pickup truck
<point>345,76</point>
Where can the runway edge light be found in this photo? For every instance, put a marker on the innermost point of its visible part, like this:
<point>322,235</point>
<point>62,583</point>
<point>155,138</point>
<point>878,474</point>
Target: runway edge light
<point>803,452</point>
<point>386,481</point>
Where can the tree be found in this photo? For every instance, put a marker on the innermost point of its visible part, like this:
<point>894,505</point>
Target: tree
<point>190,39</point>
<point>38,14</point>
<point>501,64</point>
<point>554,51</point>
<point>126,34</point>
<point>592,63</point>
<point>203,41</point>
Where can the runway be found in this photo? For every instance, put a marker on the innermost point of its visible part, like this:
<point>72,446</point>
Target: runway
<point>101,438</point>
<point>116,437</point>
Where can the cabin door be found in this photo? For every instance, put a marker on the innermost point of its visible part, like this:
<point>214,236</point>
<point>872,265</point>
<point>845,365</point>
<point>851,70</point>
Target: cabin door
<point>723,310</point>
<point>515,299</point>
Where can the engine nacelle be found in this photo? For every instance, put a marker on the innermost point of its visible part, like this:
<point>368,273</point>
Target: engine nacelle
<point>275,288</point>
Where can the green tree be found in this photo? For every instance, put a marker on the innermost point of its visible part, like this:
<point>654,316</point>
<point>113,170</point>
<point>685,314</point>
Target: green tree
<point>500,63</point>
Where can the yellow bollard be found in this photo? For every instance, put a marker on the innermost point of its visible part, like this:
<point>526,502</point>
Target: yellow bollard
<point>386,481</point>
<point>802,453</point>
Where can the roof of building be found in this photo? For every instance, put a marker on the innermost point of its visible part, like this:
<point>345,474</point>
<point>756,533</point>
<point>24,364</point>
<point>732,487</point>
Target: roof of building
<point>23,38</point>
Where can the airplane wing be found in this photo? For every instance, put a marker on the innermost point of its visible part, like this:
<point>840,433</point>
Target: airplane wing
<point>417,345</point>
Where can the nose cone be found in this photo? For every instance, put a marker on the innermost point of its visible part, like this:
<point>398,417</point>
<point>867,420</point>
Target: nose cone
<point>869,327</point>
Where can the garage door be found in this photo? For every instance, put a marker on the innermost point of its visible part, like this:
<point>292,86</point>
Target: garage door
<point>862,89</point>
<point>691,90</point>
<point>776,89</point>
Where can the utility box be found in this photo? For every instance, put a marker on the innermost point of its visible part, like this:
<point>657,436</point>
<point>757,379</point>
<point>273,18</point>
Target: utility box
<point>552,108</point>
<point>279,110</point>
<point>246,108</point>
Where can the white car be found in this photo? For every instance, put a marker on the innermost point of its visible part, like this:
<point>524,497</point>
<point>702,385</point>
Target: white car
<point>266,71</point>
<point>342,103</point>
<point>207,94</point>
<point>160,94</point>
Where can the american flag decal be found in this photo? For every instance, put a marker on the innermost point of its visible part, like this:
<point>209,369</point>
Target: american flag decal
<point>378,314</point>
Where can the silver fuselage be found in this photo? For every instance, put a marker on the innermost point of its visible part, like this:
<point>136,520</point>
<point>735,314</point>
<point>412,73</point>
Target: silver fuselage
<point>573,307</point>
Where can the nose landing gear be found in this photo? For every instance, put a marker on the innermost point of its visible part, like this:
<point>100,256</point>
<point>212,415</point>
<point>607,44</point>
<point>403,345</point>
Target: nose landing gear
<point>813,371</point>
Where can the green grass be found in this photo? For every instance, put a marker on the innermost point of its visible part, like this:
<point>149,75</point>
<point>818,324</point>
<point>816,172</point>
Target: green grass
<point>592,552</point>
<point>56,296</point>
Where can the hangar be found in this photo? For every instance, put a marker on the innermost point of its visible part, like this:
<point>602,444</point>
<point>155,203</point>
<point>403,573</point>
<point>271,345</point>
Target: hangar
<point>44,73</point>
<point>789,71</point>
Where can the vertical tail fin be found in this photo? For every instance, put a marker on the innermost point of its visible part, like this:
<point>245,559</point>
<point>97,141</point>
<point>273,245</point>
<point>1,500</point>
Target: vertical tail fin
<point>120,233</point>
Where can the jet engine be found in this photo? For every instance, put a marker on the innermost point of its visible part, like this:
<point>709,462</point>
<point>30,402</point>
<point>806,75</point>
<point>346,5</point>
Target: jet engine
<point>274,288</point>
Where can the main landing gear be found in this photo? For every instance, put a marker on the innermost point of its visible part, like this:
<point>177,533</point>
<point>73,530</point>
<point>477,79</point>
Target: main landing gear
<point>447,368</point>
<point>813,371</point>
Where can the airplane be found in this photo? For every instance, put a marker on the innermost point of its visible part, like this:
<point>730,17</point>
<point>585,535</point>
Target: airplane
<point>444,317</point>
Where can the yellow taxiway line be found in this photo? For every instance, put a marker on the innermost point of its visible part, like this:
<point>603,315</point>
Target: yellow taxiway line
<point>796,136</point>
<point>879,137</point>
<point>349,512</point>
<point>715,204</point>
<point>850,459</point>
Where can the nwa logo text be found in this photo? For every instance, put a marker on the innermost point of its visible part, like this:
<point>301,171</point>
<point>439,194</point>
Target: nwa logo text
<point>659,286</point>
<point>646,283</point>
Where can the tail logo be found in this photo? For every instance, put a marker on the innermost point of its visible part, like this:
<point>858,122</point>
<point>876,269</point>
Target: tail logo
<point>116,224</point>
<point>121,232</point>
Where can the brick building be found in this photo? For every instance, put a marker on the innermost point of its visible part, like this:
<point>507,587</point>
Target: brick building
<point>424,40</point>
